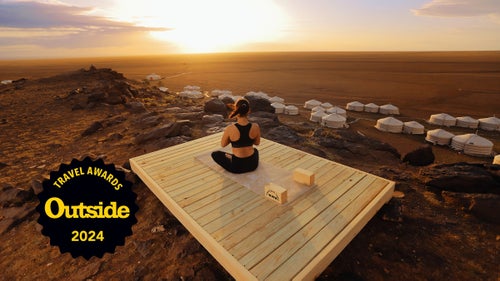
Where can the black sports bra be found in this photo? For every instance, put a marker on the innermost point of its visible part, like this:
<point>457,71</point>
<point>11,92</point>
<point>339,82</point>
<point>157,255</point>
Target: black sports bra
<point>244,139</point>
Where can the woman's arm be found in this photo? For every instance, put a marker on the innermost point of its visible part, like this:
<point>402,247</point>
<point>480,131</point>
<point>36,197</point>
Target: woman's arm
<point>225,138</point>
<point>255,133</point>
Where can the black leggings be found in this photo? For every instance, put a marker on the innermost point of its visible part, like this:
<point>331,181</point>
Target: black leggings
<point>235,164</point>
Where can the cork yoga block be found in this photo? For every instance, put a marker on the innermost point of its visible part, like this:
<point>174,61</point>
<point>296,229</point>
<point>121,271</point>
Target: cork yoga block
<point>303,176</point>
<point>275,192</point>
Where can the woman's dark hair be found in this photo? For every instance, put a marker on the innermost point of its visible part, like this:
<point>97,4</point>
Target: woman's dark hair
<point>241,107</point>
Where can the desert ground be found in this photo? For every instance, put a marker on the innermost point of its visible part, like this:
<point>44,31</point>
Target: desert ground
<point>432,238</point>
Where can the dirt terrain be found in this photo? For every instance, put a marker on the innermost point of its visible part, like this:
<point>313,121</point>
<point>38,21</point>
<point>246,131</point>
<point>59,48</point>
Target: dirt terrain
<point>426,235</point>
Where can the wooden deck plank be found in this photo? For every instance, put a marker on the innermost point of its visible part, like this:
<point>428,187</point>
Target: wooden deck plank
<point>253,237</point>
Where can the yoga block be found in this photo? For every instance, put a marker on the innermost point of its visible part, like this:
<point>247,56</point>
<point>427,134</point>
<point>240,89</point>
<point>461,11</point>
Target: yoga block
<point>275,192</point>
<point>303,176</point>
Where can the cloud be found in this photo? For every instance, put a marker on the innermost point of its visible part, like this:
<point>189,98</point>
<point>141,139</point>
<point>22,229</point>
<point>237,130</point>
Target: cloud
<point>460,8</point>
<point>57,25</point>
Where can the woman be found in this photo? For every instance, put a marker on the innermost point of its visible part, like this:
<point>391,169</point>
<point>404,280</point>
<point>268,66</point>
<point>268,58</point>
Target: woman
<point>242,135</point>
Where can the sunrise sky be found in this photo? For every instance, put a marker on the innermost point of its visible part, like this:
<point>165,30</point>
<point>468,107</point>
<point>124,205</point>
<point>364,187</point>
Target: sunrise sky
<point>78,28</point>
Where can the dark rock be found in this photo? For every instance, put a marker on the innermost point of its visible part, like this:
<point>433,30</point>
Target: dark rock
<point>136,107</point>
<point>421,156</point>
<point>166,131</point>
<point>284,135</point>
<point>96,97</point>
<point>212,119</point>
<point>259,104</point>
<point>216,106</point>
<point>227,100</point>
<point>92,129</point>
<point>463,177</point>
<point>11,196</point>
<point>190,115</point>
<point>486,207</point>
<point>150,121</point>
<point>114,121</point>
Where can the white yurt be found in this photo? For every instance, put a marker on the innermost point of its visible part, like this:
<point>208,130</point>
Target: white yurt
<point>472,144</point>
<point>442,119</point>
<point>310,104</point>
<point>326,105</point>
<point>291,110</point>
<point>389,124</point>
<point>371,107</point>
<point>388,109</point>
<point>191,94</point>
<point>223,96</point>
<point>316,116</point>
<point>163,89</point>
<point>276,99</point>
<point>413,128</point>
<point>467,122</point>
<point>355,106</point>
<point>333,121</point>
<point>6,82</point>
<point>217,93</point>
<point>439,136</point>
<point>337,110</point>
<point>489,124</point>
<point>278,107</point>
<point>258,95</point>
<point>317,108</point>
<point>153,77</point>
<point>496,160</point>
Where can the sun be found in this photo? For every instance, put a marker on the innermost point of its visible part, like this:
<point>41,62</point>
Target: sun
<point>219,25</point>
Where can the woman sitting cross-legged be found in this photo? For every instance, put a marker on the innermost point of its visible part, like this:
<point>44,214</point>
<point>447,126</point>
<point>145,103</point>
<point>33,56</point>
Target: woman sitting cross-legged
<point>242,136</point>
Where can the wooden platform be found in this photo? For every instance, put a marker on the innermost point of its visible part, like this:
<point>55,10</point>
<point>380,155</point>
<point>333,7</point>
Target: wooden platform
<point>255,238</point>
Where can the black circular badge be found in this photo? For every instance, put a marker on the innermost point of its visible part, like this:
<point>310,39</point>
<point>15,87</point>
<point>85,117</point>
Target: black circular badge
<point>87,208</point>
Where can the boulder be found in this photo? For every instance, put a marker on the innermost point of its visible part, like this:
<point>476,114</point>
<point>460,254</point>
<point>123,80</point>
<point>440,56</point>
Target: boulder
<point>166,131</point>
<point>136,107</point>
<point>212,119</point>
<point>285,135</point>
<point>259,104</point>
<point>215,106</point>
<point>463,177</point>
<point>421,156</point>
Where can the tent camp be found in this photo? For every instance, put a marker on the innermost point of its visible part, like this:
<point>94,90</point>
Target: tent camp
<point>278,107</point>
<point>291,110</point>
<point>153,77</point>
<point>388,109</point>
<point>371,107</point>
<point>337,110</point>
<point>472,144</point>
<point>442,119</point>
<point>413,128</point>
<point>467,122</point>
<point>276,99</point>
<point>489,124</point>
<point>439,136</point>
<point>326,105</point>
<point>258,95</point>
<point>310,104</point>
<point>333,121</point>
<point>355,106</point>
<point>317,115</point>
<point>317,108</point>
<point>163,89</point>
<point>389,124</point>
<point>217,93</point>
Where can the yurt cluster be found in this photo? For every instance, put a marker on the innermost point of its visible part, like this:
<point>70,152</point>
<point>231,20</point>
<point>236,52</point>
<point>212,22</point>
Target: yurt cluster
<point>332,116</point>
<point>471,144</point>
